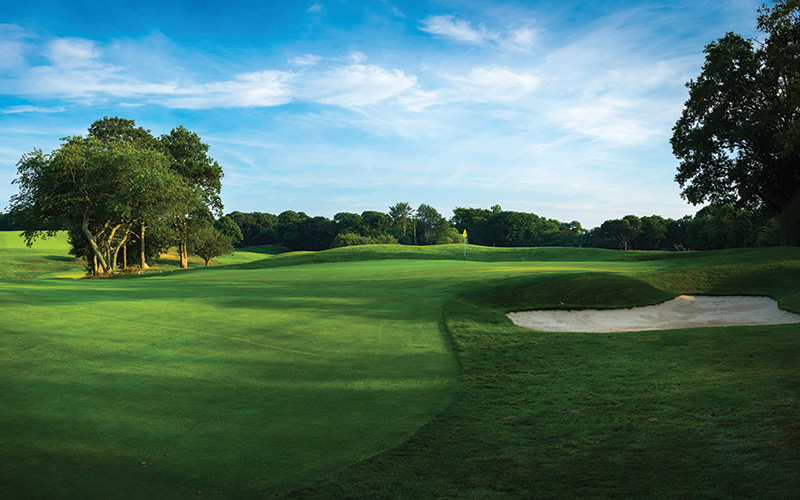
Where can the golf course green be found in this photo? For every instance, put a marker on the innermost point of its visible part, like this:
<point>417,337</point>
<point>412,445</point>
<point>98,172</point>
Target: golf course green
<point>392,372</point>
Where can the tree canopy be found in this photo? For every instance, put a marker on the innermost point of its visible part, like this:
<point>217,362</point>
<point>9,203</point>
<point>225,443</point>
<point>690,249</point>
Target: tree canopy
<point>738,136</point>
<point>109,185</point>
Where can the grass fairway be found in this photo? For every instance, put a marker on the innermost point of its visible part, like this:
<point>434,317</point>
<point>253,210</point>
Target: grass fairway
<point>389,372</point>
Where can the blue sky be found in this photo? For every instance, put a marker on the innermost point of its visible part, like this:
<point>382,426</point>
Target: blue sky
<point>561,108</point>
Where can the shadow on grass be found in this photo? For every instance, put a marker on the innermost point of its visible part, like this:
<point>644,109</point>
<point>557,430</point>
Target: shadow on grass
<point>695,413</point>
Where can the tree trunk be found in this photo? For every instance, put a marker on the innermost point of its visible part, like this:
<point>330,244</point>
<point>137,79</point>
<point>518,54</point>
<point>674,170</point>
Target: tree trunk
<point>113,250</point>
<point>184,254</point>
<point>143,264</point>
<point>98,256</point>
<point>125,257</point>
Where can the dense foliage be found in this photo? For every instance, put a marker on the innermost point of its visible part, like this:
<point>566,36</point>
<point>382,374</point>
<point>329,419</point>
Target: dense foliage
<point>737,136</point>
<point>118,188</point>
<point>713,227</point>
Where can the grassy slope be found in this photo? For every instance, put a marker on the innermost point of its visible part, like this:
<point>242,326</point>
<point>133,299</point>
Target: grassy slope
<point>250,412</point>
<point>46,259</point>
<point>697,413</point>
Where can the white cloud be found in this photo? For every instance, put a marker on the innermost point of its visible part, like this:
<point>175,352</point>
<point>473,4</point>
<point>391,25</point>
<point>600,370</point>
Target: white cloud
<point>462,31</point>
<point>523,37</point>
<point>358,85</point>
<point>305,60</point>
<point>13,46</point>
<point>95,83</point>
<point>31,109</point>
<point>456,29</point>
<point>610,120</point>
<point>71,52</point>
<point>494,84</point>
<point>259,89</point>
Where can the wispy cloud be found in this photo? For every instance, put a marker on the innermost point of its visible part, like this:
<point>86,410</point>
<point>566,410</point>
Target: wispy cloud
<point>358,85</point>
<point>305,60</point>
<point>493,84</point>
<point>31,109</point>
<point>455,29</point>
<point>71,52</point>
<point>315,8</point>
<point>259,89</point>
<point>462,31</point>
<point>13,46</point>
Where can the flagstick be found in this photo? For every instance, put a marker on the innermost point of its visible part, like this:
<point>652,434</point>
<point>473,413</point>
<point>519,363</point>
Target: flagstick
<point>465,246</point>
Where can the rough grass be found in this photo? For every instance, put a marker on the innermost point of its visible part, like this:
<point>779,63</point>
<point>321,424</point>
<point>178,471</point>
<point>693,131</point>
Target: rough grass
<point>309,376</point>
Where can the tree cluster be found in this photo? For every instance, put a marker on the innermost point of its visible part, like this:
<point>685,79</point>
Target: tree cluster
<point>122,194</point>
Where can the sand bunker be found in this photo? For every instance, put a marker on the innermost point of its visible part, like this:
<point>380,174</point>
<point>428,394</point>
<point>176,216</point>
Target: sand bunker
<point>685,311</point>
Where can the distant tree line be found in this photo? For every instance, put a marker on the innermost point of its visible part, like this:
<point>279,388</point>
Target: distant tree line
<point>716,226</point>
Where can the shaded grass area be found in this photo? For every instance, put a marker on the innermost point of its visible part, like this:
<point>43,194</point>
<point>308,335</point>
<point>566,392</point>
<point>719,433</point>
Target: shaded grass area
<point>236,384</point>
<point>695,413</point>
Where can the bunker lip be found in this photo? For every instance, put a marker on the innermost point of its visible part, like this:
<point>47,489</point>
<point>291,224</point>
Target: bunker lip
<point>684,311</point>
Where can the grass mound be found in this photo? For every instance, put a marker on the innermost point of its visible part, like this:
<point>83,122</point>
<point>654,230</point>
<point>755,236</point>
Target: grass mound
<point>445,252</point>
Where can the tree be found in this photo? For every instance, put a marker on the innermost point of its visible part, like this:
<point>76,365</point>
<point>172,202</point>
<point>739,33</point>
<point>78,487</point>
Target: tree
<point>402,217</point>
<point>430,224</point>
<point>376,223</point>
<point>514,229</point>
<point>96,189</point>
<point>739,135</point>
<point>349,222</point>
<point>209,242</point>
<point>189,158</point>
<point>721,225</point>
<point>121,130</point>
<point>229,228</point>
<point>653,232</point>
<point>474,220</point>
<point>257,228</point>
<point>118,129</point>
<point>621,231</point>
<point>449,236</point>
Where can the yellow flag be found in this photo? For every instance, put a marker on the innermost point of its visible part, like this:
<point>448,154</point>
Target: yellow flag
<point>465,233</point>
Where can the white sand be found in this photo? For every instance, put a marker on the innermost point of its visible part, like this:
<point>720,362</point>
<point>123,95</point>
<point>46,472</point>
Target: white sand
<point>685,311</point>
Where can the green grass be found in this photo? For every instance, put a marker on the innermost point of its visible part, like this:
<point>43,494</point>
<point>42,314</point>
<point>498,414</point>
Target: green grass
<point>696,413</point>
<point>46,259</point>
<point>392,372</point>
